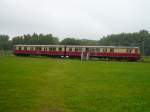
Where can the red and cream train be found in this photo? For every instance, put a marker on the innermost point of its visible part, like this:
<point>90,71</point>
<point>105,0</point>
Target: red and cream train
<point>110,52</point>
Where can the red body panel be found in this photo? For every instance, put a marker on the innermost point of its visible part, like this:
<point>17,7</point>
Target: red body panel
<point>78,54</point>
<point>111,55</point>
<point>54,53</point>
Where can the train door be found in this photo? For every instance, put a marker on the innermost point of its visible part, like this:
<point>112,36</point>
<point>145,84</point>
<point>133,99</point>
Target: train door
<point>136,51</point>
<point>87,53</point>
<point>38,49</point>
<point>87,50</point>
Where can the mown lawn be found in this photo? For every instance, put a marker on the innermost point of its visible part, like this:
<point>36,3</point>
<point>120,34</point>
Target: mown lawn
<point>56,85</point>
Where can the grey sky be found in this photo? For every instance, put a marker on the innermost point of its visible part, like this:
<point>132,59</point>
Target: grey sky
<point>73,18</point>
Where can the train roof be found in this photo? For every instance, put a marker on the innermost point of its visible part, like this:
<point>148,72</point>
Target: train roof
<point>103,46</point>
<point>80,46</point>
<point>40,45</point>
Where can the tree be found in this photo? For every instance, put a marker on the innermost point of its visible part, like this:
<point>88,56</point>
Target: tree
<point>5,44</point>
<point>88,42</point>
<point>70,41</point>
<point>140,39</point>
<point>18,40</point>
<point>35,39</point>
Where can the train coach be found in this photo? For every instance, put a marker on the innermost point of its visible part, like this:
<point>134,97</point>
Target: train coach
<point>109,52</point>
<point>49,50</point>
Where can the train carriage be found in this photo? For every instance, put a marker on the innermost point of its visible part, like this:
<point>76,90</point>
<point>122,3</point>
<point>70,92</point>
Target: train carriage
<point>132,53</point>
<point>111,52</point>
<point>75,51</point>
<point>49,50</point>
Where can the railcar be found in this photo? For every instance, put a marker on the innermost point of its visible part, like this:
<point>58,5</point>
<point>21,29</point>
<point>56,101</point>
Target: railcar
<point>110,52</point>
<point>49,50</point>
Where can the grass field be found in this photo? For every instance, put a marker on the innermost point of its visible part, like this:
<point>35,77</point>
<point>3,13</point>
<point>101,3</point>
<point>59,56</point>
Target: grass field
<point>57,85</point>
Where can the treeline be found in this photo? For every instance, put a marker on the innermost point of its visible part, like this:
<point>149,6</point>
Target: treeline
<point>141,39</point>
<point>41,39</point>
<point>35,39</point>
<point>5,43</point>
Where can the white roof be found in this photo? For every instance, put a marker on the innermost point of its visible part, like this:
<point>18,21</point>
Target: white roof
<point>79,46</point>
<point>42,45</point>
<point>101,46</point>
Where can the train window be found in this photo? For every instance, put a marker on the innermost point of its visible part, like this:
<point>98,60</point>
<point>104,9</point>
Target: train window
<point>31,48</point>
<point>79,49</point>
<point>136,51</point>
<point>87,49</point>
<point>40,48</point>
<point>36,48</point>
<point>92,49</point>
<point>129,51</point>
<point>70,49</point>
<point>60,49</point>
<point>25,48</point>
<point>112,50</point>
<point>76,49</point>
<point>19,47</point>
<point>45,48</point>
<point>97,50</point>
<point>104,50</point>
<point>50,48</point>
<point>54,49</point>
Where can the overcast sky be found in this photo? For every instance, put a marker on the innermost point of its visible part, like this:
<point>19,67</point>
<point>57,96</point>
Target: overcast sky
<point>88,19</point>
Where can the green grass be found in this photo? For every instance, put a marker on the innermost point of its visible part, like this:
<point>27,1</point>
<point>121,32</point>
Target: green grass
<point>57,85</point>
<point>5,53</point>
<point>147,59</point>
